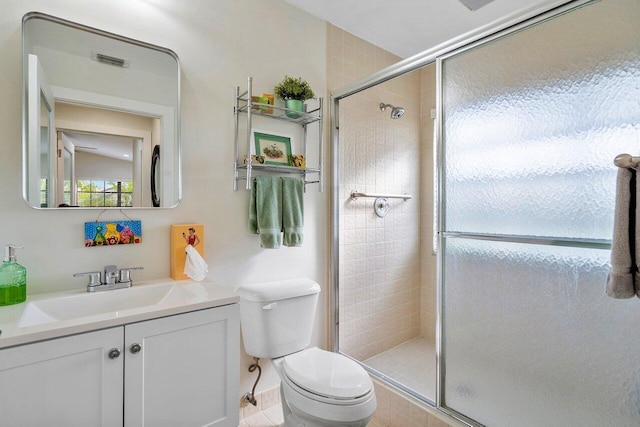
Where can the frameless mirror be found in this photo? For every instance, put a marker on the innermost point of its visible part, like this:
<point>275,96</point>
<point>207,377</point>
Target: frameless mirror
<point>97,107</point>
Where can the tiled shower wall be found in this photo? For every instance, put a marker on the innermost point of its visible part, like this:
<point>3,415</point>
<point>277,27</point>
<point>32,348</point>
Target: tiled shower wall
<point>382,303</point>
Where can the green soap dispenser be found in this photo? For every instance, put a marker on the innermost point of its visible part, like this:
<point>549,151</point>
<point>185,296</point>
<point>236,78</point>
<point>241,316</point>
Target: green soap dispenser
<point>13,278</point>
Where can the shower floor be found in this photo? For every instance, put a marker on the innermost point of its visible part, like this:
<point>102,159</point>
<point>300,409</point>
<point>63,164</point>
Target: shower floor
<point>412,363</point>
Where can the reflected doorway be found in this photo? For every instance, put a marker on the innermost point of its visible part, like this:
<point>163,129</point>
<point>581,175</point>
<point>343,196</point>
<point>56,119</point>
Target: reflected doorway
<point>99,170</point>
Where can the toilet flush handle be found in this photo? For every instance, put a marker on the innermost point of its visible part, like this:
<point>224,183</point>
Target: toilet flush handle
<point>270,306</point>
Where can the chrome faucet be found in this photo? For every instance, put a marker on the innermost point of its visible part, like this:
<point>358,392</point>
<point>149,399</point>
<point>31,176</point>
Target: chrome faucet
<point>110,274</point>
<point>113,278</point>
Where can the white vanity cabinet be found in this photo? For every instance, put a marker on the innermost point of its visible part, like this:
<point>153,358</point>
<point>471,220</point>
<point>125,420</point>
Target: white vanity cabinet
<point>68,381</point>
<point>186,371</point>
<point>179,370</point>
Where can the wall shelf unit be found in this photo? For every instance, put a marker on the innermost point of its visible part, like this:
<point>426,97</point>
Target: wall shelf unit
<point>246,106</point>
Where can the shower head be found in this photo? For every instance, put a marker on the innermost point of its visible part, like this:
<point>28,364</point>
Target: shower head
<point>396,112</point>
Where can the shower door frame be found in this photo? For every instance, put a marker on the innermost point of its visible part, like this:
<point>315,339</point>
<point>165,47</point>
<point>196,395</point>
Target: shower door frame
<point>500,28</point>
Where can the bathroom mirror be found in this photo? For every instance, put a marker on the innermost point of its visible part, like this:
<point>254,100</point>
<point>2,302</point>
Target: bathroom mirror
<point>97,108</point>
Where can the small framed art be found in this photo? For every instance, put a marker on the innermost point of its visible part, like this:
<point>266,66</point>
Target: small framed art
<point>276,149</point>
<point>111,233</point>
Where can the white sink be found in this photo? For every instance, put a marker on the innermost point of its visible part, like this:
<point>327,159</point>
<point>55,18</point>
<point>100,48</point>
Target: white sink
<point>56,314</point>
<point>115,301</point>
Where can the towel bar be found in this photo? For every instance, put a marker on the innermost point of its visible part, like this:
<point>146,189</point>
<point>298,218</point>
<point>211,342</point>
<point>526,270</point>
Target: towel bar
<point>355,194</point>
<point>626,161</point>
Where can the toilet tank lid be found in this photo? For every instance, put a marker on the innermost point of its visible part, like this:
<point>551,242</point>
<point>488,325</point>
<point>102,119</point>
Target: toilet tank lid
<point>278,290</point>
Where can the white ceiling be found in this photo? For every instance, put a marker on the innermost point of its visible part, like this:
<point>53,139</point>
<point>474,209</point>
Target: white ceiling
<point>116,147</point>
<point>408,27</point>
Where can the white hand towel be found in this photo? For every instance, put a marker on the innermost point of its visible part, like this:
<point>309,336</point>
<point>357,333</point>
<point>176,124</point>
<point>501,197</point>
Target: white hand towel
<point>620,279</point>
<point>195,266</point>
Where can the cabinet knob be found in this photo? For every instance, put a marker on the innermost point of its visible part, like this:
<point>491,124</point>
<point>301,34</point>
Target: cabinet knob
<point>135,348</point>
<point>114,353</point>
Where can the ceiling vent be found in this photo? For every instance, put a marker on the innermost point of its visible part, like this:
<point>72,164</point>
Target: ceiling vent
<point>475,4</point>
<point>111,60</point>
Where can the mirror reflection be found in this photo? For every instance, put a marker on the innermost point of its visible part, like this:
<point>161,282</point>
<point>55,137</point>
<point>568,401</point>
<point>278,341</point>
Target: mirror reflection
<point>97,107</point>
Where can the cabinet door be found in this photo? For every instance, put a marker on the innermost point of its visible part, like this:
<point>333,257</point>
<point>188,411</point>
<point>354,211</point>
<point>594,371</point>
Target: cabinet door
<point>63,382</point>
<point>185,372</point>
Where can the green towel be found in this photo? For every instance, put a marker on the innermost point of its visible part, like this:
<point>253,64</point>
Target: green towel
<point>253,215</point>
<point>253,212</point>
<point>265,211</point>
<point>292,210</point>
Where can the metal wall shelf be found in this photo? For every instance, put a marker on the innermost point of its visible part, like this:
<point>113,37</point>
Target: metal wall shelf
<point>244,105</point>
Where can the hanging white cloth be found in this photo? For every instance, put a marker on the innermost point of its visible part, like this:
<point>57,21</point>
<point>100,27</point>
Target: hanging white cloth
<point>195,266</point>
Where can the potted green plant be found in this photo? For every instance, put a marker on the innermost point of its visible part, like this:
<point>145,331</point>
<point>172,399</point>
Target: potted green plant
<point>294,91</point>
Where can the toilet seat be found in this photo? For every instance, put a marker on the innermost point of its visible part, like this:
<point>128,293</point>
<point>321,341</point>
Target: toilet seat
<point>317,408</point>
<point>326,376</point>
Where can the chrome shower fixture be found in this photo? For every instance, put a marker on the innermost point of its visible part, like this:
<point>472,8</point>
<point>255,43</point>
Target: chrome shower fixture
<point>396,112</point>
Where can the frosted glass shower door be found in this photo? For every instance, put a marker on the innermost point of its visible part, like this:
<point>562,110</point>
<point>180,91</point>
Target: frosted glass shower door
<point>531,124</point>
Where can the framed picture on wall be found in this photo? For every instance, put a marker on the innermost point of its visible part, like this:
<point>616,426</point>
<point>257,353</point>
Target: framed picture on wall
<point>276,148</point>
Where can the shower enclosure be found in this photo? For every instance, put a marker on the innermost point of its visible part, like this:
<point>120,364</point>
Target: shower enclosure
<point>529,122</point>
<point>387,265</point>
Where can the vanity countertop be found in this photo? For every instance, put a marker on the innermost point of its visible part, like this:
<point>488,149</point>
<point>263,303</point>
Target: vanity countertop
<point>52,315</point>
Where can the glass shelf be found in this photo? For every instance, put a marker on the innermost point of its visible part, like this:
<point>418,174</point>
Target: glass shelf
<point>280,113</point>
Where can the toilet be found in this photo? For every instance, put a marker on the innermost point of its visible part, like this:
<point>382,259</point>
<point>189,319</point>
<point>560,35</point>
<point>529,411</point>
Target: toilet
<point>318,387</point>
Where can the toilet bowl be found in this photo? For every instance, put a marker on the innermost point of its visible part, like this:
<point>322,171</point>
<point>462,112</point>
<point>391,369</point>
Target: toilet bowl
<point>319,388</point>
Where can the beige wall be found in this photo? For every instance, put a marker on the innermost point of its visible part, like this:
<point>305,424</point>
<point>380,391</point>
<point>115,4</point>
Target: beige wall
<point>220,43</point>
<point>102,117</point>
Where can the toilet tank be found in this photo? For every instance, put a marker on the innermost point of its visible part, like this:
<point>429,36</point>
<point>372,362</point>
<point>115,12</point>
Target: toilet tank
<point>277,317</point>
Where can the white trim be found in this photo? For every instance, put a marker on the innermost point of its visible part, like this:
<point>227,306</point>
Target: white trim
<point>37,86</point>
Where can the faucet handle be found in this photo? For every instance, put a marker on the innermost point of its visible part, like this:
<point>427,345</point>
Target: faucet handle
<point>124,274</point>
<point>95,278</point>
<point>110,274</point>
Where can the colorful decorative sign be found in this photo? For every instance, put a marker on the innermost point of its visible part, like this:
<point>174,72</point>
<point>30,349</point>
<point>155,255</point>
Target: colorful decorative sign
<point>112,233</point>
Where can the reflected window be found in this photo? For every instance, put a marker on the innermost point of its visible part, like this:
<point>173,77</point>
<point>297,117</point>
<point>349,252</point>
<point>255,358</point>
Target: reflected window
<point>44,192</point>
<point>104,193</point>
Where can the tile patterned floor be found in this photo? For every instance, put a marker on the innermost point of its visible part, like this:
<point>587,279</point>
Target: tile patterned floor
<point>270,417</point>
<point>412,363</point>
